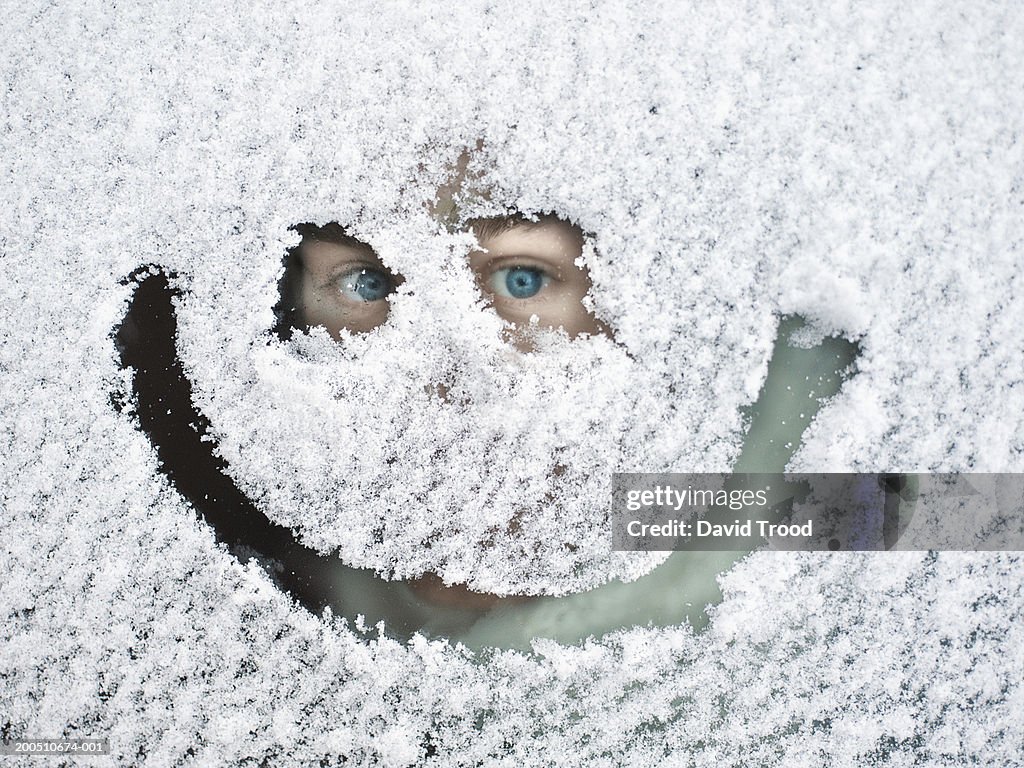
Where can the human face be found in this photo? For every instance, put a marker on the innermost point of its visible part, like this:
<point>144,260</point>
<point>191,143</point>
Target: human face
<point>527,272</point>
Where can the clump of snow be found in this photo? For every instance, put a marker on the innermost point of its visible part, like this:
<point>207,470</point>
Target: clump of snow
<point>861,165</point>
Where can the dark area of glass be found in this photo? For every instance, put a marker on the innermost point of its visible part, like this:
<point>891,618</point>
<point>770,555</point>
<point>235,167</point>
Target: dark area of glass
<point>286,312</point>
<point>164,409</point>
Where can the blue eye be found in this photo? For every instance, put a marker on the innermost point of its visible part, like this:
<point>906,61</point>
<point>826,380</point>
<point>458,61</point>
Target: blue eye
<point>518,282</point>
<point>366,284</point>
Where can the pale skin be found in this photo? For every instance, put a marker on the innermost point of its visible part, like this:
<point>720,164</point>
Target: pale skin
<point>525,270</point>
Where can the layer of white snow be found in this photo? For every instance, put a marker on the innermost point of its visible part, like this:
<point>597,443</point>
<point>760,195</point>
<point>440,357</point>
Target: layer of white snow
<point>859,164</point>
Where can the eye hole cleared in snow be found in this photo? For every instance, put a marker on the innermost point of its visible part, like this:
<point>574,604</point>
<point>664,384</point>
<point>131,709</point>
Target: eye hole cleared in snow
<point>528,271</point>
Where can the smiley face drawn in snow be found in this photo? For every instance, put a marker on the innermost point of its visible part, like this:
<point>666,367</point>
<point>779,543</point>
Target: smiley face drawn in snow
<point>528,274</point>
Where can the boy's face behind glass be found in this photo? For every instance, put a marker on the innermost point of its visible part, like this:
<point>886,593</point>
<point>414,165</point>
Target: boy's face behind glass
<point>525,270</point>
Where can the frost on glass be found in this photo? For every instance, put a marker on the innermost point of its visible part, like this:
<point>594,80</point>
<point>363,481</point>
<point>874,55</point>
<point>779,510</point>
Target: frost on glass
<point>856,166</point>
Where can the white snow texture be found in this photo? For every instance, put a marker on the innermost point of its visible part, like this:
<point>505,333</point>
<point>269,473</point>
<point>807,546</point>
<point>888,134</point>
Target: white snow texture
<point>860,164</point>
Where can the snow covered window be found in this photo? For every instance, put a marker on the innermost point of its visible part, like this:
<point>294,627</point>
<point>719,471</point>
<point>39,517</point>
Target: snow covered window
<point>703,173</point>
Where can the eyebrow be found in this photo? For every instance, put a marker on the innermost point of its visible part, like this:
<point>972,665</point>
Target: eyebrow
<point>484,229</point>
